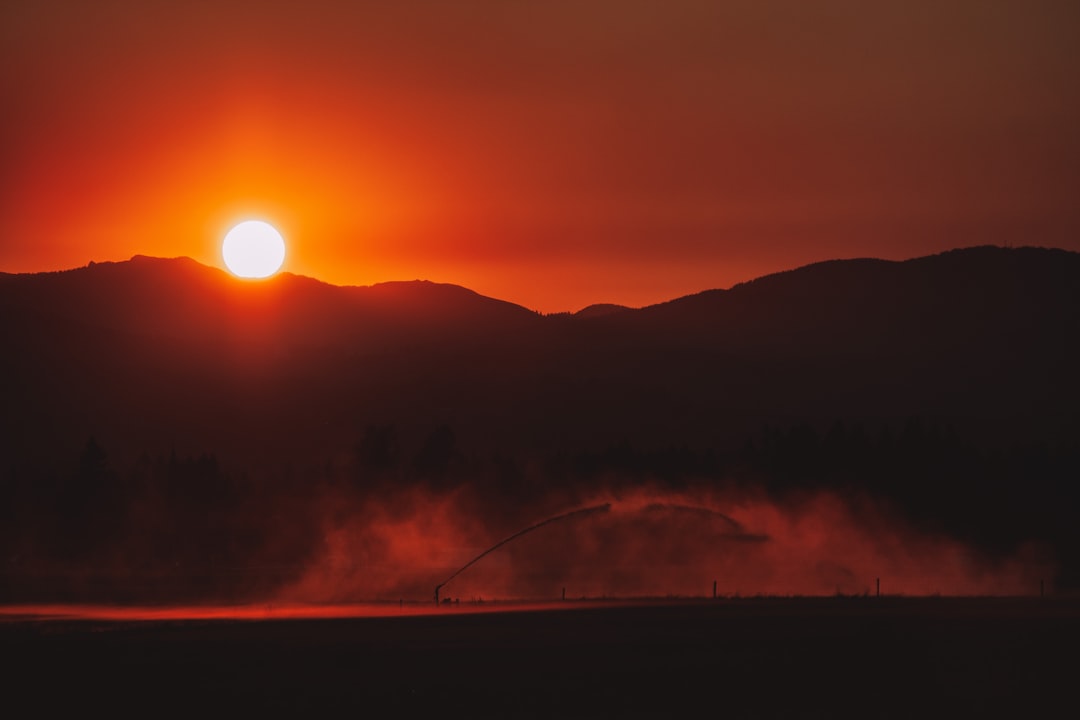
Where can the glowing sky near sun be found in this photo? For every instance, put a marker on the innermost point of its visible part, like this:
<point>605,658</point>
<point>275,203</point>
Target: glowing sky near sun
<point>554,154</point>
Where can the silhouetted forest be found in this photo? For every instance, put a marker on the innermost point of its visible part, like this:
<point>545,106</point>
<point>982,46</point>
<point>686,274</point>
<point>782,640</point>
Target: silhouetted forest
<point>169,527</point>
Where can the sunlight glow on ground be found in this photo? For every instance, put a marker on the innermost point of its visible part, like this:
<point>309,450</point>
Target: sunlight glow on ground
<point>270,611</point>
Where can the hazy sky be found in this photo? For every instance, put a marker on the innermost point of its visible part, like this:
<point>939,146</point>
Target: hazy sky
<point>550,153</point>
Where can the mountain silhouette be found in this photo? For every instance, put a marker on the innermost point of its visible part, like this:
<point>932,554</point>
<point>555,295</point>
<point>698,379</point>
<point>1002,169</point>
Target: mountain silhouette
<point>159,353</point>
<point>600,310</point>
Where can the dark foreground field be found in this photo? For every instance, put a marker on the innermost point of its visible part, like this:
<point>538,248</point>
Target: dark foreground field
<point>865,657</point>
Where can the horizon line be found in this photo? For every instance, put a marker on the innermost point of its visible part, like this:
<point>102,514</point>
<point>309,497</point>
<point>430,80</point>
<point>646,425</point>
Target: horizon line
<point>601,303</point>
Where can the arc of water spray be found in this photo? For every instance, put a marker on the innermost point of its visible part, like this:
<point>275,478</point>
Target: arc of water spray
<point>738,531</point>
<point>524,531</point>
<point>698,510</point>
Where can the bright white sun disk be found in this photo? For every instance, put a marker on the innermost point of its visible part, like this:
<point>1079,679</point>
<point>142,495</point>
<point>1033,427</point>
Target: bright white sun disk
<point>253,249</point>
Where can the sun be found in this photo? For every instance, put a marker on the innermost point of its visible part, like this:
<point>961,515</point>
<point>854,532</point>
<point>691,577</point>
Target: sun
<point>253,249</point>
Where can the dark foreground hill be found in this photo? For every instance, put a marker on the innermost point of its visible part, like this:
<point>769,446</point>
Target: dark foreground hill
<point>947,383</point>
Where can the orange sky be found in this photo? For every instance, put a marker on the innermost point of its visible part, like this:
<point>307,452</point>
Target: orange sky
<point>553,153</point>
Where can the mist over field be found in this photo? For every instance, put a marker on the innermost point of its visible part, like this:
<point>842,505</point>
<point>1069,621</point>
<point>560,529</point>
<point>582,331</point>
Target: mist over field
<point>649,543</point>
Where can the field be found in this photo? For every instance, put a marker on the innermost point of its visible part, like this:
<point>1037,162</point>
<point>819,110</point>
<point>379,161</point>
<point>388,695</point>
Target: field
<point>771,657</point>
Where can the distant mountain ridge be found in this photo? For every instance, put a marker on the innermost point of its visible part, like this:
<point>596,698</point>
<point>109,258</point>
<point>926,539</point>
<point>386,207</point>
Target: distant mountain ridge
<point>600,310</point>
<point>170,290</point>
<point>985,337</point>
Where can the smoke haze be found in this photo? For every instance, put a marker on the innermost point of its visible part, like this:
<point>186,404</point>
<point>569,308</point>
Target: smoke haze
<point>645,543</point>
